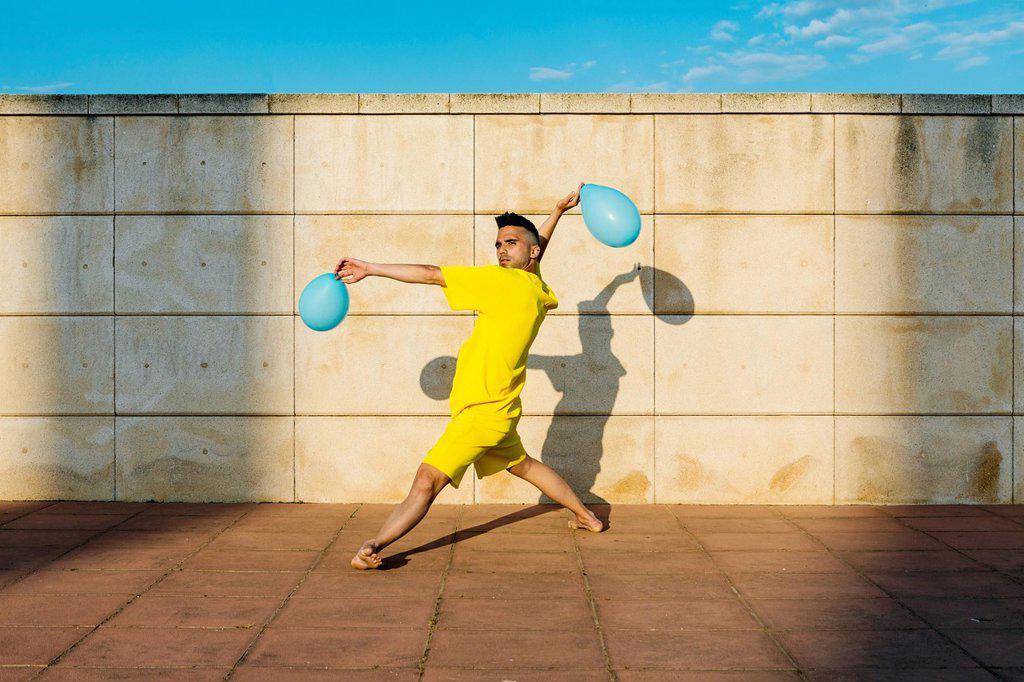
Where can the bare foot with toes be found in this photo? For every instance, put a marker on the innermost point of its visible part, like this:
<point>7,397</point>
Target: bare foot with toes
<point>589,522</point>
<point>366,557</point>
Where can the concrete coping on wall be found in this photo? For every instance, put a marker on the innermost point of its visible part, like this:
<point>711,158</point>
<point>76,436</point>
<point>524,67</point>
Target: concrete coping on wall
<point>513,103</point>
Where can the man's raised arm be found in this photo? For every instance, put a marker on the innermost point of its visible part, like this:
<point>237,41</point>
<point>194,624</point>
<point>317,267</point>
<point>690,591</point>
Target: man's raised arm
<point>548,228</point>
<point>351,270</point>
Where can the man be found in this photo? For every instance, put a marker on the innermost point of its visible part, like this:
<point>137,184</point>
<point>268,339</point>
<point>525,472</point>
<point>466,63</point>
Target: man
<point>512,300</point>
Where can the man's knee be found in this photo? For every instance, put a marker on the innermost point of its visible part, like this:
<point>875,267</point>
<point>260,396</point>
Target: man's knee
<point>522,467</point>
<point>429,480</point>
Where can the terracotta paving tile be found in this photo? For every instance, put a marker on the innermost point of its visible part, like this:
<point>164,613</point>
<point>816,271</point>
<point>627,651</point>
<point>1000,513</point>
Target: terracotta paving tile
<point>804,585</point>
<point>1005,509</point>
<point>66,674</point>
<point>812,511</point>
<point>902,540</point>
<point>252,674</point>
<point>513,585</point>
<point>655,675</point>
<point>251,560</point>
<point>110,647</point>
<point>151,610</point>
<point>220,509</point>
<point>238,539</point>
<point>720,649</point>
<point>1010,560</point>
<point>676,614</point>
<point>703,527</point>
<point>547,523</point>
<point>370,584</point>
<point>919,510</point>
<point>835,614</point>
<point>19,674</point>
<point>77,507</point>
<point>791,562</point>
<point>485,613</point>
<point>723,511</point>
<point>98,557</point>
<point>983,539</point>
<point>8,576</point>
<point>35,646</point>
<point>911,561</point>
<point>180,524</point>
<point>687,561</point>
<point>1002,648</point>
<point>147,539</point>
<point>52,581</point>
<point>357,612</point>
<point>254,524</point>
<point>759,541</point>
<point>963,584</point>
<point>438,674</point>
<point>28,557</point>
<point>873,649</point>
<point>227,584</point>
<point>41,520</point>
<point>974,613</point>
<point>58,610</point>
<point>393,648</point>
<point>43,538</point>
<point>620,586</point>
<point>514,542</point>
<point>22,506</point>
<point>839,524</point>
<point>963,523</point>
<point>515,649</point>
<point>513,562</point>
<point>636,542</point>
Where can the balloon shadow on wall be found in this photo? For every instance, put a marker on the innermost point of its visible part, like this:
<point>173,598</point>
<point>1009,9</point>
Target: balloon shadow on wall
<point>588,381</point>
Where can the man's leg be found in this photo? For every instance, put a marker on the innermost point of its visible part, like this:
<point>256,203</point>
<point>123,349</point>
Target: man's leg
<point>427,484</point>
<point>547,480</point>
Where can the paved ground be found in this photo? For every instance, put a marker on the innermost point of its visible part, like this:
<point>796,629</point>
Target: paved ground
<point>92,591</point>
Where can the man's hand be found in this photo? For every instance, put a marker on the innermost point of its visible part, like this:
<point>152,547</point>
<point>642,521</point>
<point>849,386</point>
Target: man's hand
<point>571,199</point>
<point>350,270</point>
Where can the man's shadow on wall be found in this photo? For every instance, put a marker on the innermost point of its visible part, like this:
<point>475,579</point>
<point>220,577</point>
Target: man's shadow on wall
<point>588,381</point>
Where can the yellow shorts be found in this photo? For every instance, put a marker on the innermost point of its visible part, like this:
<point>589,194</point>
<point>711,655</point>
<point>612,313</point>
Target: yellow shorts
<point>490,446</point>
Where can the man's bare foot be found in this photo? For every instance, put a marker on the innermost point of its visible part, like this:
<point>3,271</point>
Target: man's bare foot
<point>366,557</point>
<point>589,522</point>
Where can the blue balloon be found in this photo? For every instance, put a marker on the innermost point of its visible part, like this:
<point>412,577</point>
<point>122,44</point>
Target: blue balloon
<point>609,215</point>
<point>324,302</point>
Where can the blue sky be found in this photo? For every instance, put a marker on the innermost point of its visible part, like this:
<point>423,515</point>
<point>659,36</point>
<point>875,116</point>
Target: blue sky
<point>802,45</point>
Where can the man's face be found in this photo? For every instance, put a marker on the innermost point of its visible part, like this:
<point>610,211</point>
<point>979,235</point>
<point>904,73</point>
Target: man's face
<point>515,247</point>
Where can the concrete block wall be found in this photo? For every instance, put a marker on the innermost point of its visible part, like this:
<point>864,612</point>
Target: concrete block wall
<point>825,309</point>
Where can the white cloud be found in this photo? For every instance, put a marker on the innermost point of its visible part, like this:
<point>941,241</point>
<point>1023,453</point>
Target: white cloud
<point>631,86</point>
<point>764,66</point>
<point>904,39</point>
<point>799,8</point>
<point>698,72</point>
<point>45,89</point>
<point>835,40</point>
<point>724,29</point>
<point>544,73</point>
<point>962,44</point>
<point>756,40</point>
<point>972,62</point>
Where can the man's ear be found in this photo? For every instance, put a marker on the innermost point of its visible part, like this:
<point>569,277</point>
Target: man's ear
<point>535,252</point>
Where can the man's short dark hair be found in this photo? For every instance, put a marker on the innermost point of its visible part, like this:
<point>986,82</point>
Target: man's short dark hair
<point>509,218</point>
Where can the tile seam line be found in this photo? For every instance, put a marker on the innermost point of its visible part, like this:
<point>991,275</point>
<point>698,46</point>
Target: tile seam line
<point>589,594</point>
<point>284,602</point>
<point>53,661</point>
<point>739,595</point>
<point>891,595</point>
<point>421,664</point>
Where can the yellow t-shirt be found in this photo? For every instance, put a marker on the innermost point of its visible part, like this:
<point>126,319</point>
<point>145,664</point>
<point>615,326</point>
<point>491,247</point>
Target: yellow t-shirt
<point>491,366</point>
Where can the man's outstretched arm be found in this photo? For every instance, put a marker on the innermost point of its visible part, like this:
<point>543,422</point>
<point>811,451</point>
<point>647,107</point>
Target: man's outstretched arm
<point>548,228</point>
<point>351,270</point>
